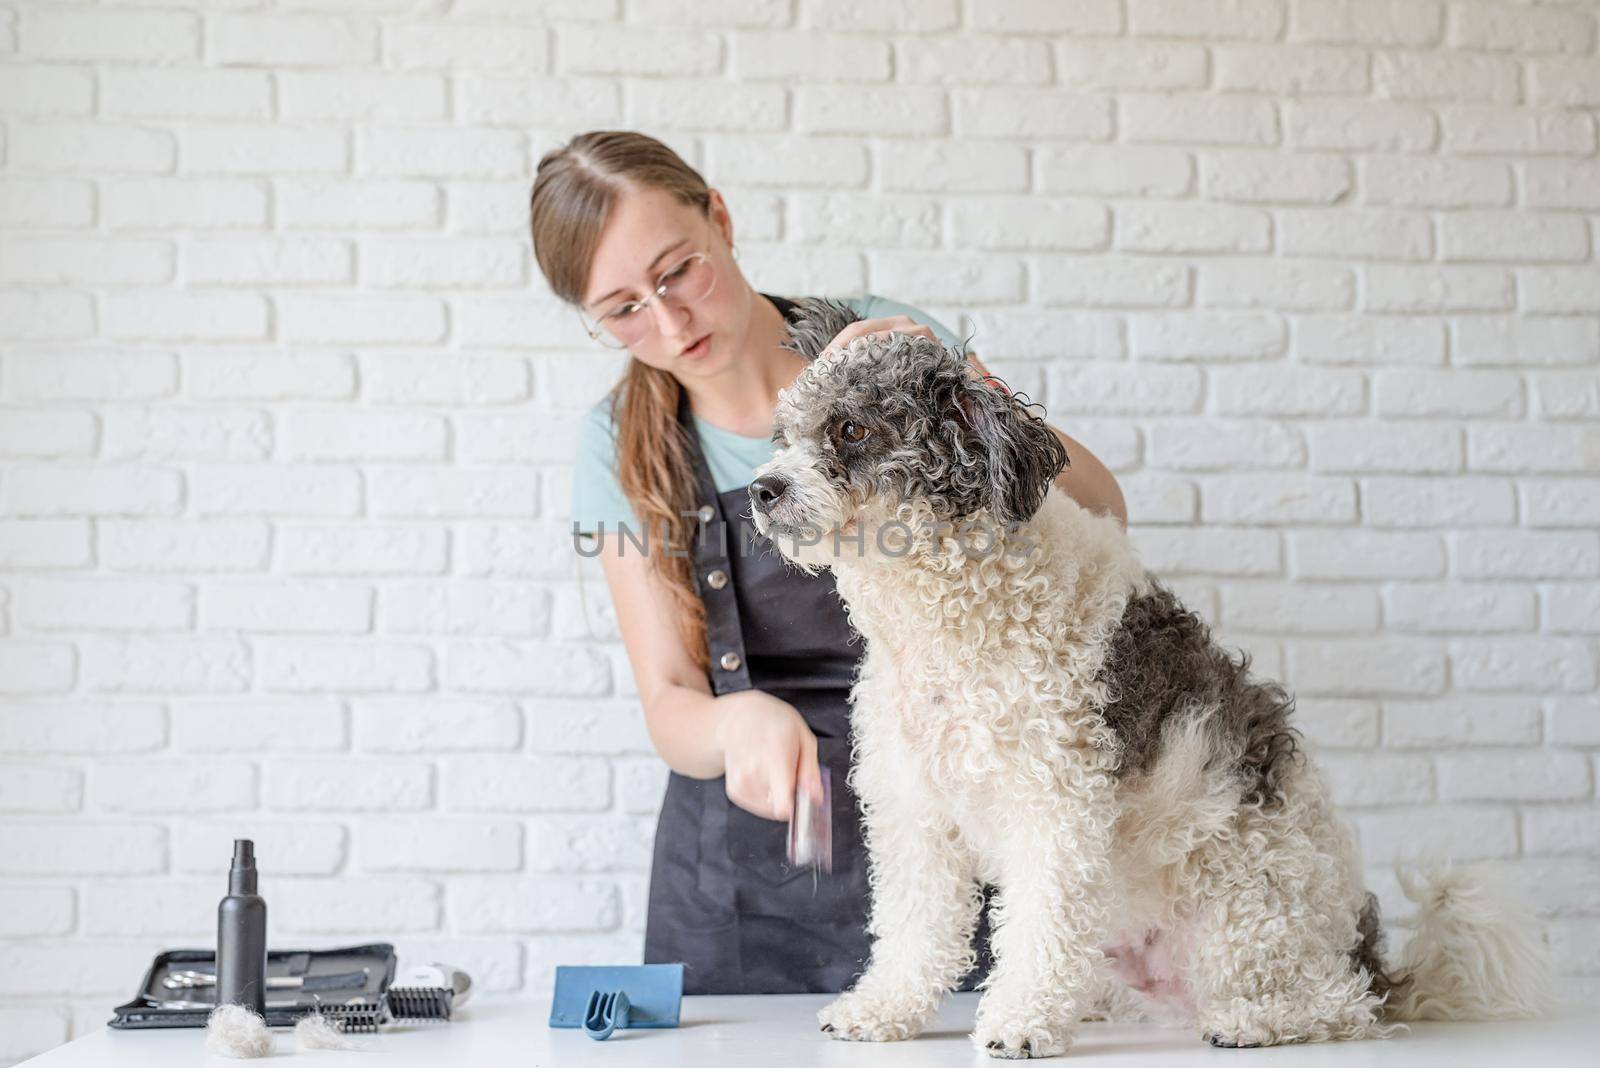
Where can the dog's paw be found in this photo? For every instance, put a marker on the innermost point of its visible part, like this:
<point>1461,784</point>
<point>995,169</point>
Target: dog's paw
<point>1248,1027</point>
<point>1018,1036</point>
<point>1222,1041</point>
<point>996,1048</point>
<point>857,1017</point>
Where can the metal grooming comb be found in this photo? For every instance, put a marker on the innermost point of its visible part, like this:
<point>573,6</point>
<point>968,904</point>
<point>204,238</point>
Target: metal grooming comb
<point>427,992</point>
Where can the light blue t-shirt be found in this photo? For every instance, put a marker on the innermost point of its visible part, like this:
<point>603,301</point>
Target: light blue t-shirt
<point>733,458</point>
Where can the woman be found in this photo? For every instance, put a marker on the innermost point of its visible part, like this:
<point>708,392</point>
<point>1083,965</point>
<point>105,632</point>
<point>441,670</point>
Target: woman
<point>743,664</point>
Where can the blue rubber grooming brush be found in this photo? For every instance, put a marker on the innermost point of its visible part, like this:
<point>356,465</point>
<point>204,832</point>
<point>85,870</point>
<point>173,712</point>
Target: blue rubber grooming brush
<point>602,998</point>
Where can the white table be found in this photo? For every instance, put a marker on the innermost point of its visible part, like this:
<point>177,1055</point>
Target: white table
<point>781,1032</point>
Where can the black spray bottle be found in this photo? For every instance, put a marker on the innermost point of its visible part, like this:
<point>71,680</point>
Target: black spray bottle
<point>242,935</point>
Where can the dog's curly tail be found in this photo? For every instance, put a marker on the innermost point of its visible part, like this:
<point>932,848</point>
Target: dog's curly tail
<point>1475,953</point>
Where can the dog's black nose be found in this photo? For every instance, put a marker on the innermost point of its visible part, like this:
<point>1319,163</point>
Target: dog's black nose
<point>766,490</point>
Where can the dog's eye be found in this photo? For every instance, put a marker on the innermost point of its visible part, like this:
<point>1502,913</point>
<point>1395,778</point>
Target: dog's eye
<point>852,432</point>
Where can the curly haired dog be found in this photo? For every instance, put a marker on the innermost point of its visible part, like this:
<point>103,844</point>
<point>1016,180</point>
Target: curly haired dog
<point>1036,712</point>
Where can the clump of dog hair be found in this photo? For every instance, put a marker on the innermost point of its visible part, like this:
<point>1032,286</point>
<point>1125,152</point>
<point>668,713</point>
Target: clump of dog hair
<point>235,1031</point>
<point>316,1031</point>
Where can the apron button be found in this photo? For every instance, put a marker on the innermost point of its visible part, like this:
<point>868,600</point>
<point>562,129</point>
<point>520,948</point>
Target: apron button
<point>730,661</point>
<point>707,513</point>
<point>717,579</point>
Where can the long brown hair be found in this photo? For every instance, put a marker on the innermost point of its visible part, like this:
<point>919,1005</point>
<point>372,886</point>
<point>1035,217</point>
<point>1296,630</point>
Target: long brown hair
<point>573,194</point>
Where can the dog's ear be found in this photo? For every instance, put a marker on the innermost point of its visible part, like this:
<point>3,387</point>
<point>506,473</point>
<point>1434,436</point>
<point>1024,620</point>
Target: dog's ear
<point>1022,456</point>
<point>818,322</point>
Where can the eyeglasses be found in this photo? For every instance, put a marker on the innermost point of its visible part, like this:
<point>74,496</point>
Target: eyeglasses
<point>689,280</point>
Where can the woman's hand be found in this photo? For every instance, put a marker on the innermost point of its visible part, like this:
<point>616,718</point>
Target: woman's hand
<point>894,324</point>
<point>767,748</point>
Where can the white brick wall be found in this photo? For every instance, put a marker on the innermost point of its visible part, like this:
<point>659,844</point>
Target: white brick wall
<point>286,417</point>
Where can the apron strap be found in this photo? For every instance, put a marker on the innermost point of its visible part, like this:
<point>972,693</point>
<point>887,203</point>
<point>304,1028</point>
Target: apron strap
<point>713,577</point>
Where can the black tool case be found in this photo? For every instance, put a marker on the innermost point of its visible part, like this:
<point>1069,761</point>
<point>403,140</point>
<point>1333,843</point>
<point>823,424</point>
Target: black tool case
<point>284,1006</point>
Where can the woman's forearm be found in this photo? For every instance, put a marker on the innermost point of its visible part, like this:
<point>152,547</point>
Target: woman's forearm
<point>1089,482</point>
<point>683,724</point>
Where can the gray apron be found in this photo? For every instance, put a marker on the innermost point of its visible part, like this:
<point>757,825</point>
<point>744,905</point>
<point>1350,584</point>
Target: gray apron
<point>723,898</point>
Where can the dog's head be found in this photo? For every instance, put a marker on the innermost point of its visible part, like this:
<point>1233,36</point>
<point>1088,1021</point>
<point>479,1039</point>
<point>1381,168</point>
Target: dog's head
<point>896,428</point>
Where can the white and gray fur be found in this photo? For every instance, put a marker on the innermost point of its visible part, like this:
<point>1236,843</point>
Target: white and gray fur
<point>1044,716</point>
<point>941,435</point>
